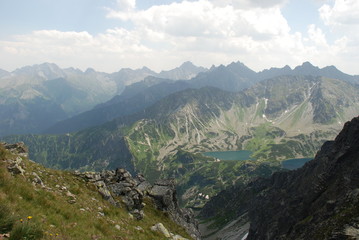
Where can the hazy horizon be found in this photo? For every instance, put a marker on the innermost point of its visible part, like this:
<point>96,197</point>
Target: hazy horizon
<point>109,35</point>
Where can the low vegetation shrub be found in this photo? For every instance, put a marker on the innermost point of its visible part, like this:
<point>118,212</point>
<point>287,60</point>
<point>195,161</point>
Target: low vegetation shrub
<point>6,219</point>
<point>26,230</point>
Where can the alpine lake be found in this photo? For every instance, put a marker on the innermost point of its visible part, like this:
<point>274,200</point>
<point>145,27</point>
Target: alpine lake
<point>243,155</point>
<point>295,163</point>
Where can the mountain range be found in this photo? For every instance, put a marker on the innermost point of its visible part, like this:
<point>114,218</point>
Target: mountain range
<point>34,98</point>
<point>276,119</point>
<point>136,97</point>
<point>45,98</point>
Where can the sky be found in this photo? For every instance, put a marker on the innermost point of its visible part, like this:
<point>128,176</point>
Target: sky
<point>108,35</point>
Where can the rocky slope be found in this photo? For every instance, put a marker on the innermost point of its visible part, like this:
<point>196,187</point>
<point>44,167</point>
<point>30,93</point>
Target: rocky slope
<point>90,205</point>
<point>301,111</point>
<point>317,201</point>
<point>135,98</point>
<point>277,119</point>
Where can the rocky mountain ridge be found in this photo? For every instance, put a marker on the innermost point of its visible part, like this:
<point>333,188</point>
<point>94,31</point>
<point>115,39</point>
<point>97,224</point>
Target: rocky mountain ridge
<point>35,97</point>
<point>134,99</point>
<point>233,77</point>
<point>308,69</point>
<point>317,201</point>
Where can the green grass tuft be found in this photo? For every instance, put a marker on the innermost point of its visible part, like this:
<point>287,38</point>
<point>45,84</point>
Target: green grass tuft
<point>7,220</point>
<point>26,231</point>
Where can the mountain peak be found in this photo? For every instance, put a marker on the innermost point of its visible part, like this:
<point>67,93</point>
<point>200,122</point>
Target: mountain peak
<point>45,70</point>
<point>186,71</point>
<point>287,67</point>
<point>90,70</point>
<point>146,69</point>
<point>306,66</point>
<point>187,64</point>
<point>307,69</point>
<point>236,64</point>
<point>241,69</point>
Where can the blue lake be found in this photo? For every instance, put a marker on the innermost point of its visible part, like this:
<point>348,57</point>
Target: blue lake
<point>295,163</point>
<point>230,155</point>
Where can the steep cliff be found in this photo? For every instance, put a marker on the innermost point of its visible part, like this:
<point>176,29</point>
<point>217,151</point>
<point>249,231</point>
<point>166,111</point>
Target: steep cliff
<point>318,201</point>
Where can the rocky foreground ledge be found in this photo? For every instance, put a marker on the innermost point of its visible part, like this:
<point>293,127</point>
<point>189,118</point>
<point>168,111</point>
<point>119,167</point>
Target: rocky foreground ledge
<point>132,190</point>
<point>121,189</point>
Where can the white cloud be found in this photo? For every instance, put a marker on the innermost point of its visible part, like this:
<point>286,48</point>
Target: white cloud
<point>126,5</point>
<point>317,36</point>
<point>342,18</point>
<point>342,13</point>
<point>245,4</point>
<point>105,51</point>
<point>203,18</point>
<point>251,31</point>
<point>205,31</point>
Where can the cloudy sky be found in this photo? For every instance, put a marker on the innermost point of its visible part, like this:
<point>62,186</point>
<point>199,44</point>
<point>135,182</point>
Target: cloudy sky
<point>108,35</point>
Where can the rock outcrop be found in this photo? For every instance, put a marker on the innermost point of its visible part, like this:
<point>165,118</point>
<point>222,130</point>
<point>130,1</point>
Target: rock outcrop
<point>78,196</point>
<point>133,190</point>
<point>163,230</point>
<point>318,201</point>
<point>164,194</point>
<point>14,164</point>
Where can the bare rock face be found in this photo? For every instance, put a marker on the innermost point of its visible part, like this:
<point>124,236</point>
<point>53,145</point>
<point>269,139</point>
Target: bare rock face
<point>14,165</point>
<point>160,228</point>
<point>318,201</point>
<point>133,190</point>
<point>164,194</point>
<point>18,148</point>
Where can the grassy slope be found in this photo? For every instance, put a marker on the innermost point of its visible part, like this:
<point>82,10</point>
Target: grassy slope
<point>51,211</point>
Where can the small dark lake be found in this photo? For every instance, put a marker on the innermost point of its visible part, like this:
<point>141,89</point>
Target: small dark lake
<point>295,163</point>
<point>230,155</point>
